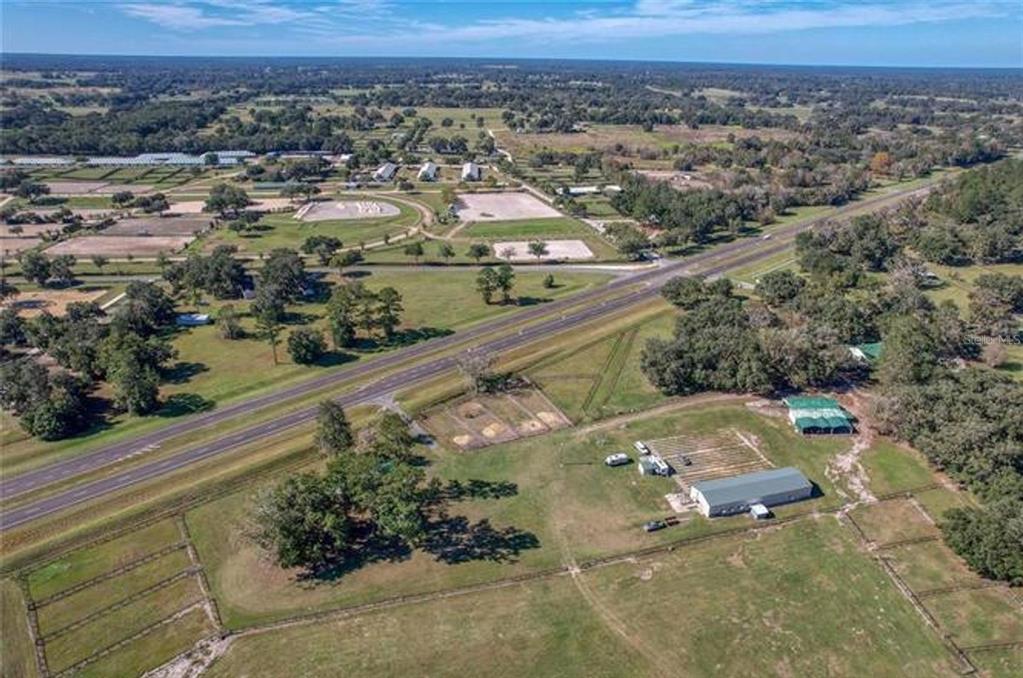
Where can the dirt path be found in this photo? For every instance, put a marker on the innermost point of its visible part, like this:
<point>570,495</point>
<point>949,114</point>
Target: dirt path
<point>846,466</point>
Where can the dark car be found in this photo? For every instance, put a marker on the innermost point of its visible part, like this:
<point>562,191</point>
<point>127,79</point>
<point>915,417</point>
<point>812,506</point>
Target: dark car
<point>654,525</point>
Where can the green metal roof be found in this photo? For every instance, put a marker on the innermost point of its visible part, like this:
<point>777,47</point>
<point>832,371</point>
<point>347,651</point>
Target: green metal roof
<point>872,350</point>
<point>812,403</point>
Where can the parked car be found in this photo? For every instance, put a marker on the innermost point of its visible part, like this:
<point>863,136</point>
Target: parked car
<point>641,447</point>
<point>618,459</point>
<point>654,525</point>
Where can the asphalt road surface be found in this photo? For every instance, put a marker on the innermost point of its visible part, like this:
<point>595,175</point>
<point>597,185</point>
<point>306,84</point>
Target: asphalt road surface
<point>739,253</point>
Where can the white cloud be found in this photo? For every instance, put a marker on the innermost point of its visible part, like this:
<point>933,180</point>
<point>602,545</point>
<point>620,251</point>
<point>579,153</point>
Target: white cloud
<point>368,21</point>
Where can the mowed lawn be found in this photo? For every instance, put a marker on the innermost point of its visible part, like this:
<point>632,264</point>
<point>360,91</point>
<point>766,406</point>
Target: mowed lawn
<point>529,229</point>
<point>210,369</point>
<point>565,504</point>
<point>801,600</point>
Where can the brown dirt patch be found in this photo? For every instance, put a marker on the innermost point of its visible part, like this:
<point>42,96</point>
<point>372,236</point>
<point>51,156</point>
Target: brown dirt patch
<point>12,245</point>
<point>34,302</point>
<point>121,246</point>
<point>159,226</point>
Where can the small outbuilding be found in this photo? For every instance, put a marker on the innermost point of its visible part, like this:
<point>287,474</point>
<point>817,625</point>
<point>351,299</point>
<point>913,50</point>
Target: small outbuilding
<point>428,172</point>
<point>471,172</point>
<point>761,489</point>
<point>868,353</point>
<point>818,415</point>
<point>385,172</point>
<point>652,465</point>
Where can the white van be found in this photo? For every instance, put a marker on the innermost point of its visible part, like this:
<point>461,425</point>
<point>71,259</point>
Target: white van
<point>641,447</point>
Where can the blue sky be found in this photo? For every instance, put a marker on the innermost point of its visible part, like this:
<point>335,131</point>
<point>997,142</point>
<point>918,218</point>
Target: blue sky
<point>862,32</point>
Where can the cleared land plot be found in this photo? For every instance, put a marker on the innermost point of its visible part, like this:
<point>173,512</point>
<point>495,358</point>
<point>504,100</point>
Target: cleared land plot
<point>502,207</point>
<point>26,231</point>
<point>33,302</point>
<point>85,564</point>
<point>682,181</point>
<point>893,521</point>
<point>346,209</point>
<point>800,600</point>
<point>63,612</point>
<point>978,616</point>
<point>122,246</point>
<point>13,245</point>
<point>930,565</point>
<point>537,629</point>
<point>719,455</point>
<point>154,649</point>
<point>159,226</point>
<point>74,187</point>
<point>518,250</point>
<point>489,419</point>
<point>260,205</point>
<point>543,499</point>
<point>110,189</point>
<point>66,649</point>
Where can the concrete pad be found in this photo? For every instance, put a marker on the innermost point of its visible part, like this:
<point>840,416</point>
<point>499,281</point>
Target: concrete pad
<point>556,249</point>
<point>502,207</point>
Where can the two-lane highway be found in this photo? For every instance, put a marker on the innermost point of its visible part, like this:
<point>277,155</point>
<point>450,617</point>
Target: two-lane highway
<point>518,330</point>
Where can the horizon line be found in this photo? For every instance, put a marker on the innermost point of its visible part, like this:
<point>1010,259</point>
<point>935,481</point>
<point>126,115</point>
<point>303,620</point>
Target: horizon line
<point>239,57</point>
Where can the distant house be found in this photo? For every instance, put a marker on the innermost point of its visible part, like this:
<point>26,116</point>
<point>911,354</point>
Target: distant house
<point>428,172</point>
<point>815,414</point>
<point>753,492</point>
<point>385,172</point>
<point>192,319</point>
<point>867,353</point>
<point>471,172</point>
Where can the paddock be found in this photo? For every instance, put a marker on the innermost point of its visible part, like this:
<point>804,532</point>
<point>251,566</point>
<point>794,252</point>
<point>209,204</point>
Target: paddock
<point>122,246</point>
<point>502,207</point>
<point>346,210</point>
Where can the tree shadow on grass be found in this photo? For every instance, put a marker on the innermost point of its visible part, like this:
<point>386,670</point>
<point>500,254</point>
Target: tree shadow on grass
<point>368,547</point>
<point>181,404</point>
<point>334,358</point>
<point>453,539</point>
<point>181,372</point>
<point>400,338</point>
<point>531,301</point>
<point>458,490</point>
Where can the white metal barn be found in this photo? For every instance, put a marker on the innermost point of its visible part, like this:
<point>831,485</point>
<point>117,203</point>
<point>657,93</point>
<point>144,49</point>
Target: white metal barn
<point>738,494</point>
<point>428,172</point>
<point>471,172</point>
